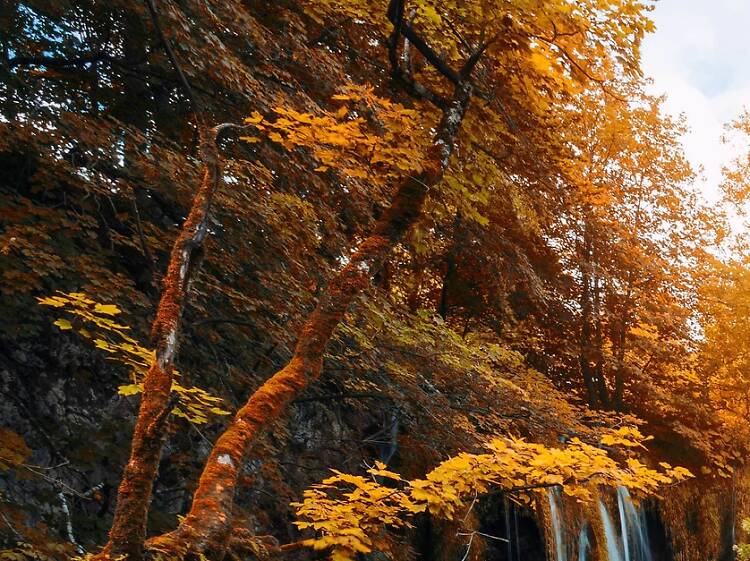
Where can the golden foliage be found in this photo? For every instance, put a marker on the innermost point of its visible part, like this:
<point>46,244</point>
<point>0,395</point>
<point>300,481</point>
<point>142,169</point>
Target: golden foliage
<point>351,512</point>
<point>386,143</point>
<point>94,321</point>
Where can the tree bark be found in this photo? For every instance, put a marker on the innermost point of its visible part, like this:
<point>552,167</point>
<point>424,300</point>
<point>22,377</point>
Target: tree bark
<point>617,398</point>
<point>128,531</point>
<point>601,382</point>
<point>207,528</point>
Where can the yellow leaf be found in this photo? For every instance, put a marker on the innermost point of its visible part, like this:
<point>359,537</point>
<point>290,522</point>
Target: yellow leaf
<point>540,62</point>
<point>54,301</point>
<point>430,13</point>
<point>130,389</point>
<point>254,119</point>
<point>107,309</point>
<point>63,324</point>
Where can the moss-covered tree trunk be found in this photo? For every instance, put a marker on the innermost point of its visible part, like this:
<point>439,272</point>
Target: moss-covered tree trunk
<point>128,530</point>
<point>207,528</point>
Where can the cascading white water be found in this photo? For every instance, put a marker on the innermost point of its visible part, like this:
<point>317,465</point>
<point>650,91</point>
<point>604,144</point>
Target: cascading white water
<point>634,531</point>
<point>557,527</point>
<point>610,534</point>
<point>583,541</point>
<point>624,529</point>
<point>632,544</point>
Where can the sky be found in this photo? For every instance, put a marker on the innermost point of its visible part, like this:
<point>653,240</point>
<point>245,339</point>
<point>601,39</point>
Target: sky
<point>700,57</point>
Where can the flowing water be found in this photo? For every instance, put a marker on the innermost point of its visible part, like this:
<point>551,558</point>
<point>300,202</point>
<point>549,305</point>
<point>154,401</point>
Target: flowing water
<point>583,541</point>
<point>632,543</point>
<point>624,528</point>
<point>553,495</point>
<point>635,537</point>
<point>626,538</point>
<point>614,552</point>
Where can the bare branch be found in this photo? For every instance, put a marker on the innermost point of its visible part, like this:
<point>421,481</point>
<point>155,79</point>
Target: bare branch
<point>170,53</point>
<point>401,27</point>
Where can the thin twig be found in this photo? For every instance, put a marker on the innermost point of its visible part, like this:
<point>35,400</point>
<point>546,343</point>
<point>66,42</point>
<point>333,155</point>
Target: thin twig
<point>478,533</point>
<point>170,53</point>
<point>15,532</point>
<point>468,547</point>
<point>471,506</point>
<point>69,523</point>
<point>144,246</point>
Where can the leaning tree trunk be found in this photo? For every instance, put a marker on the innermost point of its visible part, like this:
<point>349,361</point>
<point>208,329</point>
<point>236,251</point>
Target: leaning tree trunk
<point>128,530</point>
<point>207,528</point>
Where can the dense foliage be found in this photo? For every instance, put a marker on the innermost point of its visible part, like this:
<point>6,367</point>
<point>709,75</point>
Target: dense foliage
<point>456,241</point>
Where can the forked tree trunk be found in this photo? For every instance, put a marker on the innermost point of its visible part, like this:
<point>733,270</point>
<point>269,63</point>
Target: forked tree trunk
<point>206,529</point>
<point>128,530</point>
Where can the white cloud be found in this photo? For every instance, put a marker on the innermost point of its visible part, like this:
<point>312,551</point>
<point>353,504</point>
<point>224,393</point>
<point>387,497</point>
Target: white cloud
<point>699,57</point>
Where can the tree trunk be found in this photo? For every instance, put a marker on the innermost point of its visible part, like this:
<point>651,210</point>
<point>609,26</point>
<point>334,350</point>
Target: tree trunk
<point>584,351</point>
<point>617,398</point>
<point>207,528</point>
<point>599,343</point>
<point>128,530</point>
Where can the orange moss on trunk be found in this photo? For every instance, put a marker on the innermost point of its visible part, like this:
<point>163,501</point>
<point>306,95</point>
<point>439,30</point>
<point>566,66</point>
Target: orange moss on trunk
<point>128,530</point>
<point>207,528</point>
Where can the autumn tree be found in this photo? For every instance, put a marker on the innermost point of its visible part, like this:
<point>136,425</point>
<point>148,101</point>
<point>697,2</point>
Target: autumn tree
<point>208,526</point>
<point>638,234</point>
<point>469,159</point>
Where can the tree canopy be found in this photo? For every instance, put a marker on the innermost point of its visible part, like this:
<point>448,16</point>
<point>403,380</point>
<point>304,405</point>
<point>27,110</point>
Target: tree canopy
<point>446,249</point>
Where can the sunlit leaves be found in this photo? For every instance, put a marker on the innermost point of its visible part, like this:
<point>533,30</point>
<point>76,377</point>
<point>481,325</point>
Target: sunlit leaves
<point>350,512</point>
<point>63,324</point>
<point>386,143</point>
<point>94,322</point>
<point>630,437</point>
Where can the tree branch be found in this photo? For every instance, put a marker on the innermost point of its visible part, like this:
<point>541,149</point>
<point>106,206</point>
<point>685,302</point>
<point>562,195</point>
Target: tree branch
<point>206,529</point>
<point>431,56</point>
<point>128,530</point>
<point>59,62</point>
<point>170,53</point>
<point>401,75</point>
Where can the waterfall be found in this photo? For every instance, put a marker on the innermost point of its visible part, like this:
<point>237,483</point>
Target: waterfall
<point>632,543</point>
<point>623,523</point>
<point>626,541</point>
<point>635,533</point>
<point>583,541</point>
<point>557,527</point>
<point>610,534</point>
